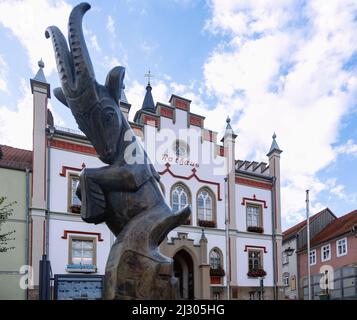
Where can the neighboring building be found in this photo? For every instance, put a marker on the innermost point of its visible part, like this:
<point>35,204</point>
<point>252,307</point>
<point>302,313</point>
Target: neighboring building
<point>194,169</point>
<point>15,166</point>
<point>294,239</point>
<point>332,250</point>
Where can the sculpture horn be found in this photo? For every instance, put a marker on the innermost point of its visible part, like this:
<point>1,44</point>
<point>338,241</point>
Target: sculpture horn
<point>82,65</point>
<point>63,61</point>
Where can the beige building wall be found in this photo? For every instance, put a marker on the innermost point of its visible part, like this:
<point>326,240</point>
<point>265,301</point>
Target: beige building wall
<point>13,261</point>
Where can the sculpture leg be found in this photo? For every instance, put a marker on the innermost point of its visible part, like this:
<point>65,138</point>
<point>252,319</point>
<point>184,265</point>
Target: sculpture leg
<point>135,268</point>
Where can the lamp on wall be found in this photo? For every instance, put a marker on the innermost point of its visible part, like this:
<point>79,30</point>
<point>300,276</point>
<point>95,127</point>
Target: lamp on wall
<point>289,251</point>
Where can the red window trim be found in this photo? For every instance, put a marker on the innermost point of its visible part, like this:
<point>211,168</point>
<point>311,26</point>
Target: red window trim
<point>63,173</point>
<point>252,183</point>
<point>255,247</point>
<point>66,232</point>
<point>254,199</point>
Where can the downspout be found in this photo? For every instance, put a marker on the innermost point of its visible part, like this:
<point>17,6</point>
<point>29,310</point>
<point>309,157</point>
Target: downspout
<point>228,274</point>
<point>50,132</point>
<point>27,229</point>
<point>297,266</point>
<point>273,236</point>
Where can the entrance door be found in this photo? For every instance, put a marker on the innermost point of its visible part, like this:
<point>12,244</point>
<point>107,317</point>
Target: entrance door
<point>183,270</point>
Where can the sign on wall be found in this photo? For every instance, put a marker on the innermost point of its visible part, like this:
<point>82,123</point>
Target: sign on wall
<point>78,287</point>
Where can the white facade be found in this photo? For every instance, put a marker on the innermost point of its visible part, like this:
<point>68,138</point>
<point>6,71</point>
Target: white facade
<point>202,167</point>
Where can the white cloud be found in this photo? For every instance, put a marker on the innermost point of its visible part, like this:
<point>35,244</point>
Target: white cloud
<point>94,43</point>
<point>349,148</point>
<point>283,70</point>
<point>147,48</point>
<point>28,20</point>
<point>16,122</point>
<point>3,74</point>
<point>111,26</point>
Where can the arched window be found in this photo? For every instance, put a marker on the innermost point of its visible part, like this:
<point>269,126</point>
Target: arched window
<point>206,208</point>
<point>215,259</point>
<point>216,264</point>
<point>179,197</point>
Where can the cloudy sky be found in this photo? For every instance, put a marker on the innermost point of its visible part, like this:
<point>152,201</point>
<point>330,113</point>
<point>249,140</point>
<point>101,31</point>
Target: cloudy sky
<point>274,65</point>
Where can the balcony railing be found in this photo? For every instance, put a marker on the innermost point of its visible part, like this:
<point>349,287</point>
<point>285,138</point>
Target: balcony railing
<point>68,130</point>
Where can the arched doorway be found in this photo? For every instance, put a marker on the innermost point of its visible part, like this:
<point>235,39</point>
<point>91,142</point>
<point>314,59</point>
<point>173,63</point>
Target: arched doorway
<point>183,270</point>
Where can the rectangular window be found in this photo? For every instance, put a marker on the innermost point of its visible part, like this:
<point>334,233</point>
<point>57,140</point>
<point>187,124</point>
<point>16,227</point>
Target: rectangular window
<point>341,247</point>
<point>285,258</point>
<point>312,257</point>
<point>293,283</point>
<point>74,203</point>
<point>326,252</point>
<point>286,281</point>
<point>82,254</point>
<point>255,260</point>
<point>254,215</point>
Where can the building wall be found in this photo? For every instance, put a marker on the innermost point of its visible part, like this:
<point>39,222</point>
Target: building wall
<point>59,247</point>
<point>335,262</point>
<point>11,261</point>
<point>291,269</point>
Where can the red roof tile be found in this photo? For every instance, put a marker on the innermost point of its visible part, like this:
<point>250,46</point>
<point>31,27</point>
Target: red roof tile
<point>14,158</point>
<point>336,228</point>
<point>295,229</point>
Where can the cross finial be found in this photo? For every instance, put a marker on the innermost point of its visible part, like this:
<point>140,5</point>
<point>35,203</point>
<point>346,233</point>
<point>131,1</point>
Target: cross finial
<point>41,64</point>
<point>148,75</point>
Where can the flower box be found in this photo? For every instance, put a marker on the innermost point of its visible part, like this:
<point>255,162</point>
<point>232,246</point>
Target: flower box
<point>219,272</point>
<point>255,229</point>
<point>207,223</point>
<point>216,280</point>
<point>75,209</point>
<point>83,268</point>
<point>256,273</point>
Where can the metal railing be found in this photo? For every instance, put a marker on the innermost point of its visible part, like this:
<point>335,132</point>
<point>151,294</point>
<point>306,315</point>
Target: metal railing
<point>69,130</point>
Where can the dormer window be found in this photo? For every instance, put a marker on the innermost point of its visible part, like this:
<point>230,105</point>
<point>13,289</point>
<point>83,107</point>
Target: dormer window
<point>181,149</point>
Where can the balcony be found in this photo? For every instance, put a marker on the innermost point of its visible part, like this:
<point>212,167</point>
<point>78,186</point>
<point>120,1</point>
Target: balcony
<point>207,223</point>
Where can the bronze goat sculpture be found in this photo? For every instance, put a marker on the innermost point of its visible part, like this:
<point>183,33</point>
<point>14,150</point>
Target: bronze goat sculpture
<point>125,194</point>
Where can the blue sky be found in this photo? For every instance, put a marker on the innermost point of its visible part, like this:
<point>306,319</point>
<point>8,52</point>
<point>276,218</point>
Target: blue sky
<point>274,66</point>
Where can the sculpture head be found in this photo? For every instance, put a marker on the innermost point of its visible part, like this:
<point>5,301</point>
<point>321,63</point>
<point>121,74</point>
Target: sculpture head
<point>94,106</point>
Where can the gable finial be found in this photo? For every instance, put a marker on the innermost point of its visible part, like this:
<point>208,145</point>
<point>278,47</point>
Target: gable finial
<point>148,75</point>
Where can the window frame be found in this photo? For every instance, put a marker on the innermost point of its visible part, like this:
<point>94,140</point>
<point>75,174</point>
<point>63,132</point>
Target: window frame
<point>71,177</point>
<point>346,247</point>
<point>214,205</point>
<point>286,280</point>
<point>188,193</point>
<point>261,258</point>
<point>180,143</point>
<point>322,252</point>
<point>81,238</point>
<point>219,253</point>
<point>285,258</point>
<point>314,252</point>
<point>260,216</point>
<point>293,283</point>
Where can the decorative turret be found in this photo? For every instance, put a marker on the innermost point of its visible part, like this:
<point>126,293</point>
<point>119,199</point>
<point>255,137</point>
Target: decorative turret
<point>41,115</point>
<point>147,113</point>
<point>148,103</point>
<point>274,172</point>
<point>274,147</point>
<point>40,80</point>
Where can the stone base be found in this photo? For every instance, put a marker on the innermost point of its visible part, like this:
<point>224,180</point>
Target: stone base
<point>33,293</point>
<point>253,293</point>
